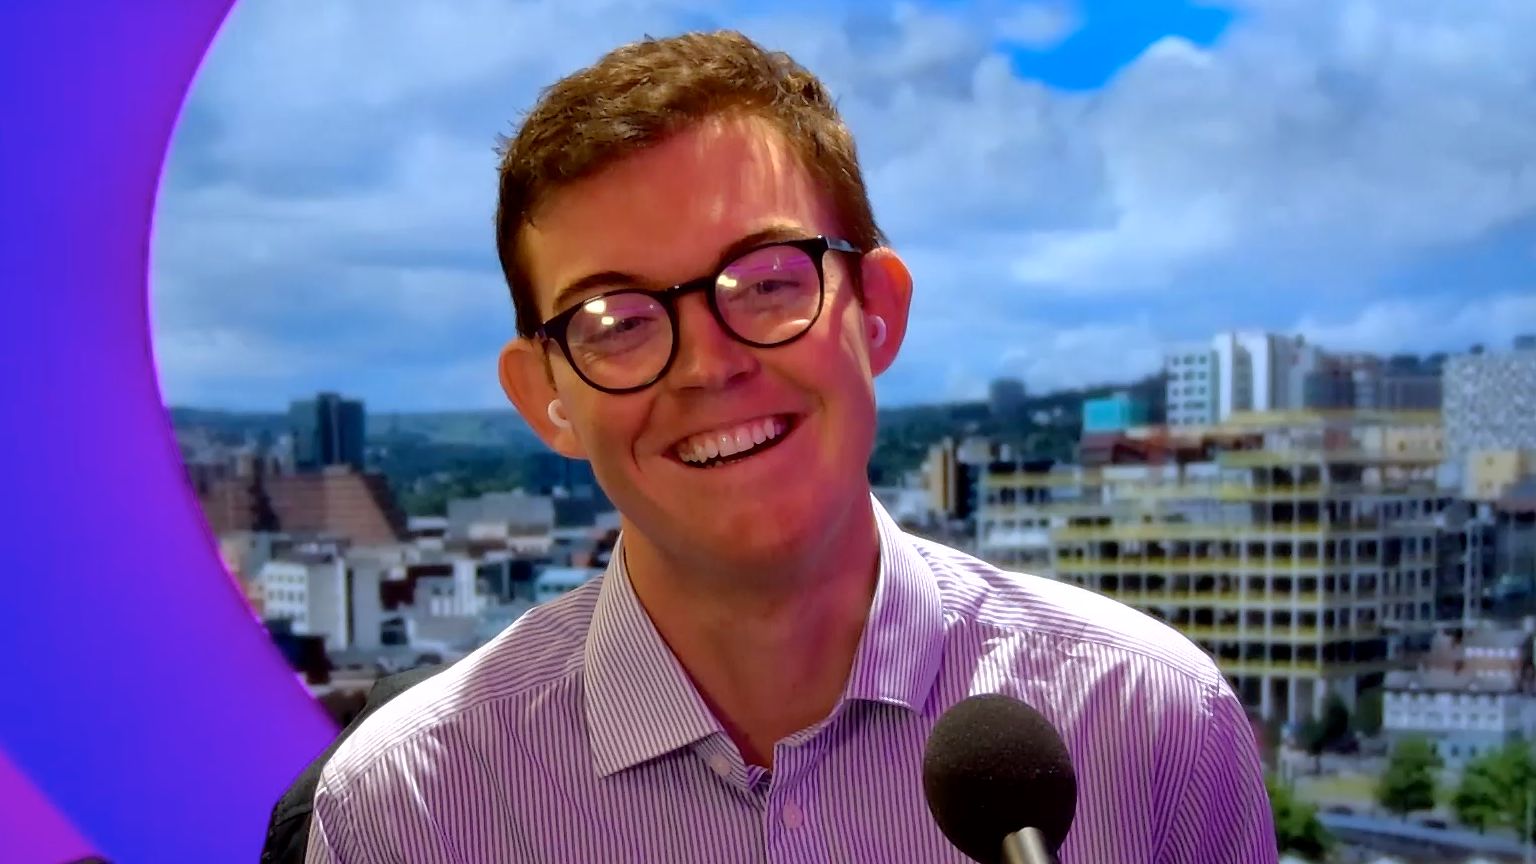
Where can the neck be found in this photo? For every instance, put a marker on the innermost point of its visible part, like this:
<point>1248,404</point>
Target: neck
<point>768,645</point>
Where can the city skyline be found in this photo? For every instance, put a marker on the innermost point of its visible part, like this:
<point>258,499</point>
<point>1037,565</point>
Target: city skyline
<point>989,394</point>
<point>1073,188</point>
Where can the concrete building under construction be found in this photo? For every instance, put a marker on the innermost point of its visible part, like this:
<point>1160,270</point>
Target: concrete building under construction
<point>1297,548</point>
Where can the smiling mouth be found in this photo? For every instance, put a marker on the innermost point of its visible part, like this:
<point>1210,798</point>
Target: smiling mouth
<point>729,446</point>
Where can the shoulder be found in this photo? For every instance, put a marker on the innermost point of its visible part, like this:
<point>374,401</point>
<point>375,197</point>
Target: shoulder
<point>543,650</point>
<point>1073,621</point>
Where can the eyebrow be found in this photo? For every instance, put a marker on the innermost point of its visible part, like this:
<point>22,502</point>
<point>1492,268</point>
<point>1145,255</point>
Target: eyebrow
<point>612,279</point>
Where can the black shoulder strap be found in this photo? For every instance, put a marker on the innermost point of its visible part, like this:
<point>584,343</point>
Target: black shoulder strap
<point>288,830</point>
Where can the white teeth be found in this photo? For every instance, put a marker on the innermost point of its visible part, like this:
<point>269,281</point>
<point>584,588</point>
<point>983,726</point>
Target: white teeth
<point>729,442</point>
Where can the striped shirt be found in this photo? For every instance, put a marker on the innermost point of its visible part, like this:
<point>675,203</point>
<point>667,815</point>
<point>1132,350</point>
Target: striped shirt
<point>575,735</point>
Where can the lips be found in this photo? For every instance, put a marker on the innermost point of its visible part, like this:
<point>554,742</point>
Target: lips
<point>732,441</point>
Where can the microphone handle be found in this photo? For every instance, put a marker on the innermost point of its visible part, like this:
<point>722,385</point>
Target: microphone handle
<point>1027,846</point>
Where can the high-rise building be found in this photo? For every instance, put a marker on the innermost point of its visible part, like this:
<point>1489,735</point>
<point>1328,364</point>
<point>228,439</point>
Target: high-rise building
<point>1239,371</point>
<point>1365,382</point>
<point>1411,391</point>
<point>1292,362</point>
<point>1514,568</point>
<point>1193,382</point>
<point>1490,404</point>
<point>1243,366</point>
<point>327,430</point>
<point>1466,547</point>
<point>1342,382</point>
<point>1006,398</point>
<point>1262,371</point>
<point>1301,554</point>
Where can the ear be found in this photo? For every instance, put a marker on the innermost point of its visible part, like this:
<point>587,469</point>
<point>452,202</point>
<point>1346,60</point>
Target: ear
<point>526,379</point>
<point>888,293</point>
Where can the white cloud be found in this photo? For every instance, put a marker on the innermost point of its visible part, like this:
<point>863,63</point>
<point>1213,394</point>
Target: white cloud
<point>195,364</point>
<point>334,180</point>
<point>1038,25</point>
<point>955,356</point>
<point>1049,356</point>
<point>1439,324</point>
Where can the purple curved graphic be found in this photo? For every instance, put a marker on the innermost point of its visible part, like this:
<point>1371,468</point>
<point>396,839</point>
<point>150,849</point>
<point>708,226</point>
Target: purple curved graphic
<point>32,828</point>
<point>145,715</point>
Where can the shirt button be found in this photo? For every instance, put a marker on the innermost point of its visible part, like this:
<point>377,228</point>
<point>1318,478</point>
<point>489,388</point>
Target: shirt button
<point>793,818</point>
<point>720,765</point>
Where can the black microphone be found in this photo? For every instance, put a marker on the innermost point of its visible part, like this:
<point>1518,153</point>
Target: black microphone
<point>999,781</point>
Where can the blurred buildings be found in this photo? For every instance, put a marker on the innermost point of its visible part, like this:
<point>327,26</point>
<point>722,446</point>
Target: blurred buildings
<point>1238,371</point>
<point>347,585</point>
<point>1248,371</point>
<point>327,430</point>
<point>1297,549</point>
<point>1310,519</point>
<point>1006,398</point>
<point>1114,413</point>
<point>1470,696</point>
<point>1490,418</point>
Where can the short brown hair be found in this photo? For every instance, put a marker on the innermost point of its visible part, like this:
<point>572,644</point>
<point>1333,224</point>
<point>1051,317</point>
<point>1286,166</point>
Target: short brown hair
<point>636,96</point>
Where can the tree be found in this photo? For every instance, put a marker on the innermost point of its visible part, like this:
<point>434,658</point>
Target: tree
<point>1408,784</point>
<point>1335,721</point>
<point>1477,801</point>
<point>1297,829</point>
<point>1313,737</point>
<point>1318,734</point>
<point>1368,705</point>
<point>1494,788</point>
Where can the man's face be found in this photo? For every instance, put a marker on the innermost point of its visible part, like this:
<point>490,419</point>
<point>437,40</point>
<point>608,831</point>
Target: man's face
<point>666,216</point>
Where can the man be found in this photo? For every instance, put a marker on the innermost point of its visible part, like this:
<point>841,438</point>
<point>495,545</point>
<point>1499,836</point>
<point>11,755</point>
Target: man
<point>703,302</point>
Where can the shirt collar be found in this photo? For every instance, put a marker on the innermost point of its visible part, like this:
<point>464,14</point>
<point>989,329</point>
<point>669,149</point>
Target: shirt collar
<point>899,655</point>
<point>640,703</point>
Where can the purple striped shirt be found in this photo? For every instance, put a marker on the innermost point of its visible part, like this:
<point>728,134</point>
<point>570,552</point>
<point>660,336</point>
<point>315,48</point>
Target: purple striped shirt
<point>575,735</point>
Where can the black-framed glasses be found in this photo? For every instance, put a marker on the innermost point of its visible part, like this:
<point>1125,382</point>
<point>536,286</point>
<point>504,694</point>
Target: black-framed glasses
<point>625,340</point>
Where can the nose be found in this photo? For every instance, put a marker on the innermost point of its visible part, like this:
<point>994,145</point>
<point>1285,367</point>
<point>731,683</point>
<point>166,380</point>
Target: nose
<point>707,356</point>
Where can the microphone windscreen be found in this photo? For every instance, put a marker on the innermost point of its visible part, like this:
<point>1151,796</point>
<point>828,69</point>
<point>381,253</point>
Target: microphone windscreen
<point>992,766</point>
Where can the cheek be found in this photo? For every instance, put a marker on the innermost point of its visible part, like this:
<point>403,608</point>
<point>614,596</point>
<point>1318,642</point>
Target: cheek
<point>613,426</point>
<point>853,337</point>
<point>852,363</point>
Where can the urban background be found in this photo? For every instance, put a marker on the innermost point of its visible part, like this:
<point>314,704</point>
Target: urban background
<point>1352,537</point>
<point>1219,311</point>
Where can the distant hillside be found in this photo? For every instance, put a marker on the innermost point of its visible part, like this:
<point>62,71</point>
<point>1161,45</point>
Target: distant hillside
<point>490,428</point>
<point>1046,425</point>
<point>904,432</point>
<point>232,426</point>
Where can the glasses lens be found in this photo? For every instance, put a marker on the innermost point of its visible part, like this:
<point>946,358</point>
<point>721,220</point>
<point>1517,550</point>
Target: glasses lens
<point>621,340</point>
<point>770,295</point>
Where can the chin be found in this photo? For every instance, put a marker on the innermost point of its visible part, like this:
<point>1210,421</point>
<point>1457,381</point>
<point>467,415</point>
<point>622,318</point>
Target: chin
<point>757,533</point>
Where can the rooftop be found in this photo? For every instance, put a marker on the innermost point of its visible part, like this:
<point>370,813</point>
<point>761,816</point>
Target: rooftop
<point>1444,681</point>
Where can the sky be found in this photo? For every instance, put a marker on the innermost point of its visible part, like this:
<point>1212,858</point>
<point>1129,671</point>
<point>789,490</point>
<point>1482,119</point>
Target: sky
<point>1075,185</point>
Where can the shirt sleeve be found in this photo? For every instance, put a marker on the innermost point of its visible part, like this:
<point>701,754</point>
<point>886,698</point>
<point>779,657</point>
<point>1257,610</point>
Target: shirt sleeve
<point>331,840</point>
<point>1223,815</point>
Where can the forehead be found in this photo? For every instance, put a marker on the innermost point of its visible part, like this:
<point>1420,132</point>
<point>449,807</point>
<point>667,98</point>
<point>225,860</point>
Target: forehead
<point>665,214</point>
